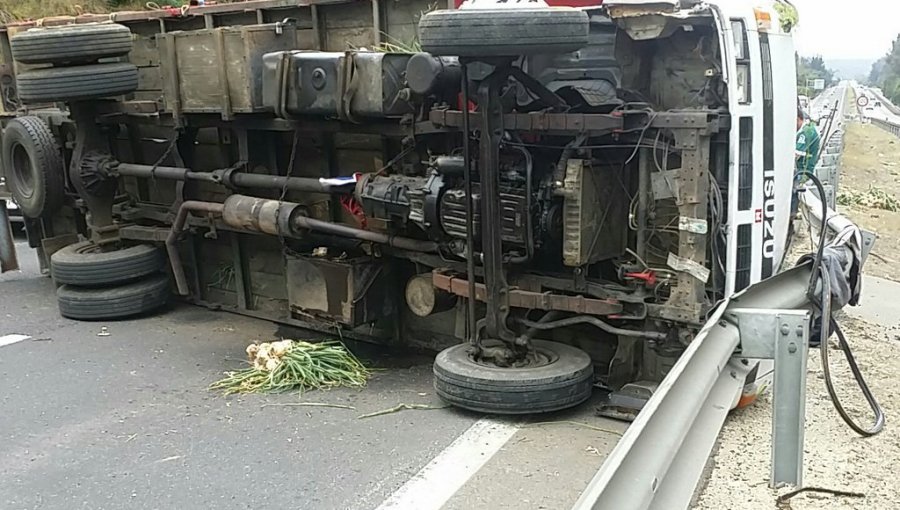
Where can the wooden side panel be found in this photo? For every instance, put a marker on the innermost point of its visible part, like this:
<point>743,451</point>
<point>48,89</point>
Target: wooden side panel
<point>264,266</point>
<point>348,26</point>
<point>301,14</point>
<point>306,39</point>
<point>144,51</point>
<point>237,18</point>
<point>401,20</point>
<point>149,78</point>
<point>216,270</point>
<point>198,66</point>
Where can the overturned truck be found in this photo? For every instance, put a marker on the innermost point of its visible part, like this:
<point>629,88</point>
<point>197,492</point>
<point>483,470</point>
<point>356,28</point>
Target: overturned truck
<point>556,196</point>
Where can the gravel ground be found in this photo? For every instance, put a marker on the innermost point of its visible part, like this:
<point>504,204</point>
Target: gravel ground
<point>835,457</point>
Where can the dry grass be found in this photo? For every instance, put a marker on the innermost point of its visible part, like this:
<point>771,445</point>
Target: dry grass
<point>872,159</point>
<point>18,10</point>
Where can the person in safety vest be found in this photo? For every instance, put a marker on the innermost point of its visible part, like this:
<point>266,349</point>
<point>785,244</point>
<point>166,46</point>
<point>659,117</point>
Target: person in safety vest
<point>806,154</point>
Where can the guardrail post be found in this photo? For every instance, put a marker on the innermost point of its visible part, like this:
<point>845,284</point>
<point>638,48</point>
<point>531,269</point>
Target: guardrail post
<point>783,336</point>
<point>789,399</point>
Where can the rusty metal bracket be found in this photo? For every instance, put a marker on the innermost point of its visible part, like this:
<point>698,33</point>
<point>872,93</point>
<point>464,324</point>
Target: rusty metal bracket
<point>686,301</point>
<point>562,123</point>
<point>704,121</point>
<point>529,299</point>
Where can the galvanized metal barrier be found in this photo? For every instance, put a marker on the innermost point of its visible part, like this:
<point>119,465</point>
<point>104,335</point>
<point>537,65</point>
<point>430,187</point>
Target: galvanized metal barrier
<point>828,168</point>
<point>890,127</point>
<point>782,336</point>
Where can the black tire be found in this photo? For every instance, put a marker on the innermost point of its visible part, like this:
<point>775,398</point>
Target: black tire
<point>503,32</point>
<point>85,264</point>
<point>71,44</point>
<point>33,166</point>
<point>77,83</point>
<point>564,383</point>
<point>127,300</point>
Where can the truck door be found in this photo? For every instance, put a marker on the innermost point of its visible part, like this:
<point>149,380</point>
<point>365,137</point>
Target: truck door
<point>762,101</point>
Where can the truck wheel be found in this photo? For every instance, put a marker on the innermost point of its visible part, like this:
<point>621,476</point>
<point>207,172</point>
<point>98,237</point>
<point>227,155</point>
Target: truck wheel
<point>86,264</point>
<point>34,167</point>
<point>133,298</point>
<point>503,32</point>
<point>563,378</point>
<point>77,83</point>
<point>71,44</point>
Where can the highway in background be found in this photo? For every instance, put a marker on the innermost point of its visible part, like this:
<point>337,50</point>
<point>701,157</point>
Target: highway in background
<point>875,108</point>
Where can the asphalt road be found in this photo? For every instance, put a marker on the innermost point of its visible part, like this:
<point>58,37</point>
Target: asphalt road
<point>125,421</point>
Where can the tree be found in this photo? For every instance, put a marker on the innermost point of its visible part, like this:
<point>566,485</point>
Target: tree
<point>877,69</point>
<point>886,73</point>
<point>812,68</point>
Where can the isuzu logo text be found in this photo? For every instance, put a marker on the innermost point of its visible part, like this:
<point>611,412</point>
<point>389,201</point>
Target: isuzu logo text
<point>768,247</point>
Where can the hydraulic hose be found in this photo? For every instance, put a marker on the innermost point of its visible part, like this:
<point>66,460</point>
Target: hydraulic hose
<point>823,305</point>
<point>593,321</point>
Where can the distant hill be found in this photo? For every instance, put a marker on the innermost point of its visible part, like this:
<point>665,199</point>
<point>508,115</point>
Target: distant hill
<point>850,69</point>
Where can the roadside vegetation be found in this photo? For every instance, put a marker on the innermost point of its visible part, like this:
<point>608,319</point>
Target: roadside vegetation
<point>20,10</point>
<point>812,68</point>
<point>886,73</point>
<point>873,197</point>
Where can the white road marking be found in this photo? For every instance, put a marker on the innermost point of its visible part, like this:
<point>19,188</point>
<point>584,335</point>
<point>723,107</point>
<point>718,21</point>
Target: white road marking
<point>12,338</point>
<point>439,480</point>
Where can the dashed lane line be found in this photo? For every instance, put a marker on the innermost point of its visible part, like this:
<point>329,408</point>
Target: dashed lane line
<point>12,338</point>
<point>441,478</point>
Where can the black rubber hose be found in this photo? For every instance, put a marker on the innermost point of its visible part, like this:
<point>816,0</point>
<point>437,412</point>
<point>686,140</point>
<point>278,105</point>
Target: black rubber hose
<point>552,315</point>
<point>878,425</point>
<point>823,305</point>
<point>593,321</point>
<point>820,249</point>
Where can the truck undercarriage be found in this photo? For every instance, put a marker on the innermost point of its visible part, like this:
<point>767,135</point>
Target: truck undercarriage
<point>525,180</point>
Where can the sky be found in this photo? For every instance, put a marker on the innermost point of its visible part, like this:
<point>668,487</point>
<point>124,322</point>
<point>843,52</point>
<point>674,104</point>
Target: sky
<point>843,29</point>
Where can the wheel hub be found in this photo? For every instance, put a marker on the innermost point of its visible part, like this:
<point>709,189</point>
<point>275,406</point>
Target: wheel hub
<point>21,163</point>
<point>497,354</point>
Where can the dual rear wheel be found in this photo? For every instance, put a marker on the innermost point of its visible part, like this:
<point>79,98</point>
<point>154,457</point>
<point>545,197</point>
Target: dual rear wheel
<point>109,282</point>
<point>74,52</point>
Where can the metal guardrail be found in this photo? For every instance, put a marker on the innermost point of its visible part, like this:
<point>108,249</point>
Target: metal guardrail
<point>828,168</point>
<point>890,127</point>
<point>886,102</point>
